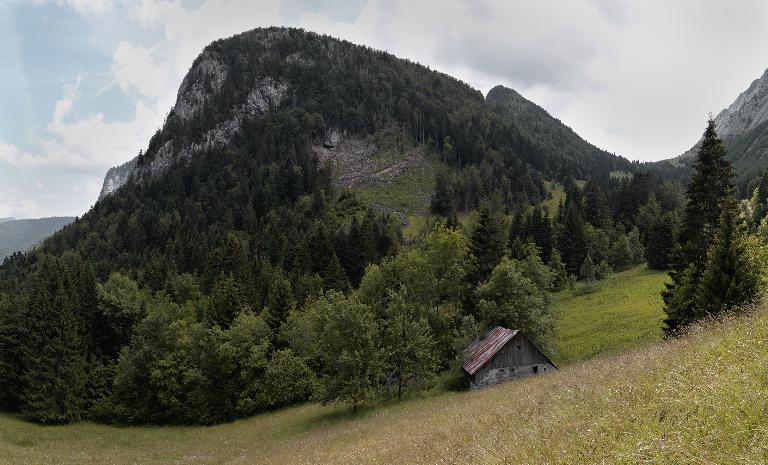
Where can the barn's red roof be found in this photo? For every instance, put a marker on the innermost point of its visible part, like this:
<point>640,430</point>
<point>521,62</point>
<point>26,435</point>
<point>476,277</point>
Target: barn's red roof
<point>482,350</point>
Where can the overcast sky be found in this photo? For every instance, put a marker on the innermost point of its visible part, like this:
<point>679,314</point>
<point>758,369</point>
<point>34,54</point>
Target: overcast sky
<point>85,83</point>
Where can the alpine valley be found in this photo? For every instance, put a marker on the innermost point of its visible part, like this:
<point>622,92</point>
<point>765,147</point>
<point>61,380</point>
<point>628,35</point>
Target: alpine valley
<point>319,222</point>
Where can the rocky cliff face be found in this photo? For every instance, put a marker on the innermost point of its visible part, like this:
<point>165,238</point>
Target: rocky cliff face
<point>202,83</point>
<point>116,177</point>
<point>748,111</point>
<point>743,126</point>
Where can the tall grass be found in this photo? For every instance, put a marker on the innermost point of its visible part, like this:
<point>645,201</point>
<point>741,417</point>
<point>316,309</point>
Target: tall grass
<point>701,398</point>
<point>622,312</point>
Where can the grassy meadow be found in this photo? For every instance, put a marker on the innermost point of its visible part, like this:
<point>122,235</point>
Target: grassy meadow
<point>621,312</point>
<point>697,399</point>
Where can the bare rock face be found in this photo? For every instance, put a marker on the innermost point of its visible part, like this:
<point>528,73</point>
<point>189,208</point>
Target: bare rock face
<point>116,177</point>
<point>748,111</point>
<point>204,79</point>
<point>266,95</point>
<point>358,161</point>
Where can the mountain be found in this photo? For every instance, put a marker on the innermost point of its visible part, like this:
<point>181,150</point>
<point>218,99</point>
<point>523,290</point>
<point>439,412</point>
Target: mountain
<point>271,128</point>
<point>743,126</point>
<point>363,94</point>
<point>116,177</point>
<point>20,235</point>
<point>558,148</point>
<point>268,196</point>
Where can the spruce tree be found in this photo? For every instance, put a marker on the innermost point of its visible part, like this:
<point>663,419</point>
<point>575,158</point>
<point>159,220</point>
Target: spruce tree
<point>279,301</point>
<point>710,184</point>
<point>442,200</point>
<point>335,278</point>
<point>660,242</point>
<point>12,335</point>
<point>730,277</point>
<point>572,243</point>
<point>588,272</point>
<point>596,210</point>
<point>486,244</point>
<point>760,200</point>
<point>55,351</point>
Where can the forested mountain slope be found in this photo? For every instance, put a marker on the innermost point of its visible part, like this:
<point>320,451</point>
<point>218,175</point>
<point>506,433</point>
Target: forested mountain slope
<point>233,269</point>
<point>243,151</point>
<point>20,235</point>
<point>356,91</point>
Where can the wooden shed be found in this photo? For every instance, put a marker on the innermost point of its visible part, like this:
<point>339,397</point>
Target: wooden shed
<point>500,355</point>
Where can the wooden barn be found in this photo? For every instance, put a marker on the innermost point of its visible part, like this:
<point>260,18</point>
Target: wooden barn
<point>500,355</point>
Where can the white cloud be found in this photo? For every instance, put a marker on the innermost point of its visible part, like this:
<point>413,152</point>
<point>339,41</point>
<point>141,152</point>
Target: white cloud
<point>90,144</point>
<point>84,7</point>
<point>635,78</point>
<point>18,208</point>
<point>159,70</point>
<point>134,68</point>
<point>91,185</point>
<point>654,68</point>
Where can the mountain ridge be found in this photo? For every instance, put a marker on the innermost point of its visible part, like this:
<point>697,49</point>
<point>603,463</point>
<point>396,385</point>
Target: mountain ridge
<point>743,127</point>
<point>20,235</point>
<point>214,74</point>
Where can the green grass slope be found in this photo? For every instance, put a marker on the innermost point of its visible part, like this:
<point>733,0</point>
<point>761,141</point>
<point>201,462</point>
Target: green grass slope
<point>624,311</point>
<point>697,399</point>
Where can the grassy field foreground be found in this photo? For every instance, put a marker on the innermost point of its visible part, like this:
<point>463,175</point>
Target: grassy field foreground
<point>622,312</point>
<point>702,398</point>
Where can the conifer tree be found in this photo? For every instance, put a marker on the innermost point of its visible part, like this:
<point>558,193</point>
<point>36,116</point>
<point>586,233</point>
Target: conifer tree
<point>760,200</point>
<point>12,319</point>
<point>588,272</point>
<point>335,277</point>
<point>54,353</point>
<point>226,301</point>
<point>486,244</point>
<point>710,184</point>
<point>572,242</point>
<point>279,301</point>
<point>442,200</point>
<point>660,242</point>
<point>730,277</point>
<point>559,273</point>
<point>595,206</point>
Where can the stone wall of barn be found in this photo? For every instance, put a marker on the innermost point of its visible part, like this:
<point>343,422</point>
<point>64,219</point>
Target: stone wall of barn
<point>518,358</point>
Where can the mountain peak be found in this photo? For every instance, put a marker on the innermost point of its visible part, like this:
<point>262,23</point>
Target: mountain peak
<point>748,111</point>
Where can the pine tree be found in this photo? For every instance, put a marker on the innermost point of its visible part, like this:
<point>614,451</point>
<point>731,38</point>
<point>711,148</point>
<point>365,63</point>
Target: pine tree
<point>588,272</point>
<point>279,301</point>
<point>596,210</point>
<point>54,353</point>
<point>730,277</point>
<point>486,244</point>
<point>572,242</point>
<point>710,184</point>
<point>335,277</point>
<point>12,334</point>
<point>442,200</point>
<point>760,200</point>
<point>660,242</point>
